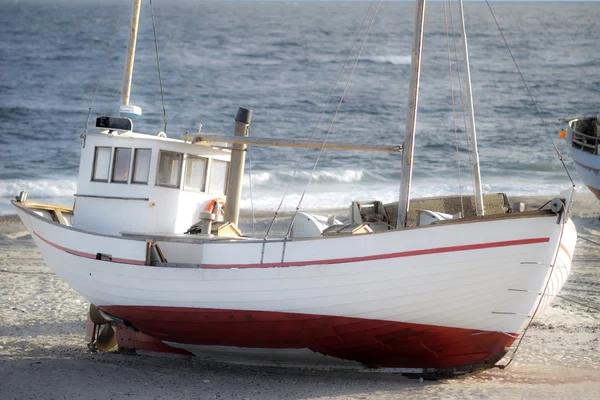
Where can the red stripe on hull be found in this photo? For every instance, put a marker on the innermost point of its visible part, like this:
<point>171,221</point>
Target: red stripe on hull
<point>89,255</point>
<point>374,343</point>
<point>410,253</point>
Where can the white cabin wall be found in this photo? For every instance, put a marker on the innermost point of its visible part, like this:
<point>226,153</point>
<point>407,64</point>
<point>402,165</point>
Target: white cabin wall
<point>135,207</point>
<point>111,216</point>
<point>174,211</point>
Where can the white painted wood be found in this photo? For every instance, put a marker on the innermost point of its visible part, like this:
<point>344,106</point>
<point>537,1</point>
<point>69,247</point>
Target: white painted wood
<point>473,131</point>
<point>107,207</point>
<point>489,289</point>
<point>411,115</point>
<point>133,31</point>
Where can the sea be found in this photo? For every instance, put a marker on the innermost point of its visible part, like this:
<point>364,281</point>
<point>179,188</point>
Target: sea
<point>321,69</point>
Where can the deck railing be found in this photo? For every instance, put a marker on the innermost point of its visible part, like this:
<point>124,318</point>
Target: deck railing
<point>585,136</point>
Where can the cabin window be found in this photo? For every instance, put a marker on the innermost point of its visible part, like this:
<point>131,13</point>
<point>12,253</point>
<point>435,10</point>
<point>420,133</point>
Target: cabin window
<point>101,164</point>
<point>218,177</point>
<point>195,173</point>
<point>169,169</point>
<point>121,164</point>
<point>141,165</point>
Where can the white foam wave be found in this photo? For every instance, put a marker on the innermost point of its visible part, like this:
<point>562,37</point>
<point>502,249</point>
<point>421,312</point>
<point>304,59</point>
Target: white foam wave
<point>45,188</point>
<point>389,59</point>
<point>341,176</point>
<point>340,196</point>
<point>345,176</point>
<point>258,178</point>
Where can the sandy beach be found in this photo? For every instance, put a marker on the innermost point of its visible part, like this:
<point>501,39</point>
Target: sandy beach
<point>43,354</point>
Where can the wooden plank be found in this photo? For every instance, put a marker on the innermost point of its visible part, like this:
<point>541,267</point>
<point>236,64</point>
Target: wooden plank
<point>60,218</point>
<point>46,206</point>
<point>148,252</point>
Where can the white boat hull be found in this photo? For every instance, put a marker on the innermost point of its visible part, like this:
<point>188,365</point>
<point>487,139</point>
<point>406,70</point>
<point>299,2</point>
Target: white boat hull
<point>440,296</point>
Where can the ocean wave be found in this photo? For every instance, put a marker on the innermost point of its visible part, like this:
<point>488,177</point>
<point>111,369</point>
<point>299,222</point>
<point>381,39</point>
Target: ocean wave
<point>325,176</point>
<point>389,59</point>
<point>45,188</point>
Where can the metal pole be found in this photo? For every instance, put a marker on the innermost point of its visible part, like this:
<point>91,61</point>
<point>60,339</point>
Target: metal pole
<point>411,116</point>
<point>476,171</point>
<point>300,144</point>
<point>236,169</point>
<point>133,31</point>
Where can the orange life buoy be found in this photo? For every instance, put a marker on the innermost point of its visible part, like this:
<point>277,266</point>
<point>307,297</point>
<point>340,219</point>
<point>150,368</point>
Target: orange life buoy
<point>215,205</point>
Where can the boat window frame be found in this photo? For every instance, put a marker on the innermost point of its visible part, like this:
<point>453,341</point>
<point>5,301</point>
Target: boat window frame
<point>227,172</point>
<point>114,162</point>
<point>207,161</point>
<point>179,172</point>
<point>95,164</point>
<point>134,167</point>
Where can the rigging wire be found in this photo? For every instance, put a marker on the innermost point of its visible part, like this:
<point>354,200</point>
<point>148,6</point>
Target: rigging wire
<point>560,157</point>
<point>333,119</point>
<point>177,50</point>
<point>462,204</point>
<point>305,150</point>
<point>588,240</point>
<point>543,294</point>
<point>462,100</point>
<point>162,96</point>
<point>87,121</point>
<point>577,302</point>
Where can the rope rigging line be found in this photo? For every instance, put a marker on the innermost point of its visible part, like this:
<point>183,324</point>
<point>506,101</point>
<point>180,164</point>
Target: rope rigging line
<point>305,150</point>
<point>588,240</point>
<point>462,100</point>
<point>537,308</point>
<point>333,119</point>
<point>176,49</point>
<point>577,302</point>
<point>112,39</point>
<point>462,204</point>
<point>560,157</point>
<point>162,96</point>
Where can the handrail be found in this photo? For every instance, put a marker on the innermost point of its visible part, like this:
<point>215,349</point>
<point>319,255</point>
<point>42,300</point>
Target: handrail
<point>585,135</point>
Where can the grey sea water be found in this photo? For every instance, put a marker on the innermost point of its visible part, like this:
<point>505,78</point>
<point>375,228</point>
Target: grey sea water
<point>281,59</point>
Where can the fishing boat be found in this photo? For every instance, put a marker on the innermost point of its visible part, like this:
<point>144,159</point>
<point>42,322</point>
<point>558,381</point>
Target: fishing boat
<point>441,294</point>
<point>583,136</point>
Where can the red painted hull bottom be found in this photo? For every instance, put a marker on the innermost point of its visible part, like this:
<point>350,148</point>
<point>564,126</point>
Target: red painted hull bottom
<point>374,343</point>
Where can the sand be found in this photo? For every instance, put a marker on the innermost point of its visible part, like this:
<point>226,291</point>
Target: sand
<point>43,352</point>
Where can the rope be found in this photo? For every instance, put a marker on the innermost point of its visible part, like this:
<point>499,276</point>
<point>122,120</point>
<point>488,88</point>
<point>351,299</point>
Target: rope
<point>162,96</point>
<point>87,121</point>
<point>577,302</point>
<point>333,119</point>
<point>588,240</point>
<point>462,205</point>
<point>177,50</point>
<point>560,157</point>
<point>462,100</point>
<point>304,152</point>
<point>537,308</point>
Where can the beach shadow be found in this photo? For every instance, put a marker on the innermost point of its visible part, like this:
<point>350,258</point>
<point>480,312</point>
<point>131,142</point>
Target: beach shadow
<point>113,375</point>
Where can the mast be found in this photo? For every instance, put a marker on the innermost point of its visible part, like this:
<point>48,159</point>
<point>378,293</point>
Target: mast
<point>473,132</point>
<point>133,31</point>
<point>411,115</point>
